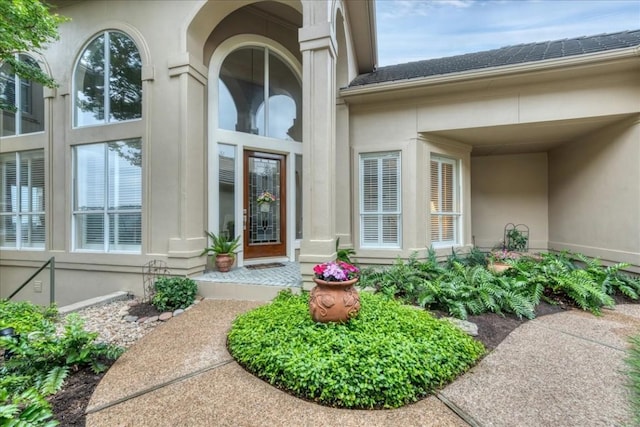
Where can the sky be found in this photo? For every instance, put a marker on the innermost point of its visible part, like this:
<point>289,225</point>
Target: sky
<point>412,30</point>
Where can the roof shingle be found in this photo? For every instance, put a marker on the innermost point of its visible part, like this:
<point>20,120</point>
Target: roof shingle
<point>509,55</point>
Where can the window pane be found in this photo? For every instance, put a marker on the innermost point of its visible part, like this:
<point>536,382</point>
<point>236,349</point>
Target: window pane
<point>8,179</point>
<point>32,231</point>
<point>227,189</point>
<point>31,102</point>
<point>22,194</point>
<point>370,185</point>
<point>89,84</point>
<point>285,101</point>
<point>390,229</point>
<point>125,177</point>
<point>243,74</point>
<point>89,231</point>
<point>444,201</point>
<point>8,95</point>
<point>125,78</point>
<point>125,231</point>
<point>241,92</point>
<point>298,196</point>
<point>90,180</point>
<point>390,185</point>
<point>8,230</point>
<point>227,111</point>
<point>435,187</point>
<point>370,229</point>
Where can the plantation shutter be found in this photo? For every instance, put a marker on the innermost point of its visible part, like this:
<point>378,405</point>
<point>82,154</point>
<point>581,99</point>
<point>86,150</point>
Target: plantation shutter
<point>444,204</point>
<point>22,203</point>
<point>380,216</point>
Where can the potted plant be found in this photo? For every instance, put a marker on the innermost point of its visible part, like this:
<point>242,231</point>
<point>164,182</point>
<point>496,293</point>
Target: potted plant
<point>498,260</point>
<point>334,298</point>
<point>223,249</point>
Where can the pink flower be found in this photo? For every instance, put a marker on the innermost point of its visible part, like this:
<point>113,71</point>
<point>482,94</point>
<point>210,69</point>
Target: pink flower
<point>336,271</point>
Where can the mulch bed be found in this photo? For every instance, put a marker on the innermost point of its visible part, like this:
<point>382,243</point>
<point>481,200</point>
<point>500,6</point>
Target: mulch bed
<point>70,403</point>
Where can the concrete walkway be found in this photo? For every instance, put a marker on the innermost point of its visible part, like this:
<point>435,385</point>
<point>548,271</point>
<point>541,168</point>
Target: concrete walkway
<point>558,370</point>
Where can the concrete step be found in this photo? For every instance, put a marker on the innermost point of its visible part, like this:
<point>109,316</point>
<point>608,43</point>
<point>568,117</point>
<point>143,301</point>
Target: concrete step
<point>241,291</point>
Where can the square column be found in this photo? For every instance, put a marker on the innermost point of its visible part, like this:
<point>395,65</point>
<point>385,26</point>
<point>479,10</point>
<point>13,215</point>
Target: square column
<point>319,148</point>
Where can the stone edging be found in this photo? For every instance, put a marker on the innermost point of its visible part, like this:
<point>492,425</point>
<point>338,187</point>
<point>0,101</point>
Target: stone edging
<point>162,317</point>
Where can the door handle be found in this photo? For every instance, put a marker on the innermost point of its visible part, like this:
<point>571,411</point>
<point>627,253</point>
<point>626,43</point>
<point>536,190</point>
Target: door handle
<point>244,220</point>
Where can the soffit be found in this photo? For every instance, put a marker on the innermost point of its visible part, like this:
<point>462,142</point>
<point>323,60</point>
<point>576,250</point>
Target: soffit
<point>528,137</point>
<point>361,16</point>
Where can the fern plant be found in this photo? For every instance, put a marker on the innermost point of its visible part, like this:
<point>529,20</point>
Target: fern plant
<point>611,278</point>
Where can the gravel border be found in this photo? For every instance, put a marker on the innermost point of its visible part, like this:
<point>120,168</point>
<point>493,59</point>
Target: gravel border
<point>114,325</point>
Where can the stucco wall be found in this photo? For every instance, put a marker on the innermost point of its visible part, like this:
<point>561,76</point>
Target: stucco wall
<point>594,194</point>
<point>378,128</point>
<point>70,285</point>
<point>509,189</point>
<point>174,146</point>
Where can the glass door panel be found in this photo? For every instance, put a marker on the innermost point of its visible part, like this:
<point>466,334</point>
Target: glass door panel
<point>264,205</point>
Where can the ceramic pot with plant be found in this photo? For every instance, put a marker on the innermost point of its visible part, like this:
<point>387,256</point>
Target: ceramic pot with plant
<point>223,249</point>
<point>334,298</point>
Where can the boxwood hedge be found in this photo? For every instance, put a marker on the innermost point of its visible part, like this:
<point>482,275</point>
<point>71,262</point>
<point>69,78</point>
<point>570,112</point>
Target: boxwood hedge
<point>387,356</point>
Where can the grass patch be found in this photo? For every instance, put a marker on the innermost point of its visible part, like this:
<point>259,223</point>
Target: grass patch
<point>386,357</point>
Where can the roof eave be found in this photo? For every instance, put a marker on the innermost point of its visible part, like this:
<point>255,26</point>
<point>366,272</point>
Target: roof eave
<point>364,33</point>
<point>477,74</point>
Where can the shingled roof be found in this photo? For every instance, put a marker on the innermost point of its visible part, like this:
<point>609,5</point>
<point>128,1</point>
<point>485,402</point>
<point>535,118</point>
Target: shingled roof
<point>509,55</point>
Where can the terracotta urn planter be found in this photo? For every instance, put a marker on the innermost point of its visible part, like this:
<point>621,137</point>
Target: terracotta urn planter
<point>334,301</point>
<point>224,262</point>
<point>498,267</point>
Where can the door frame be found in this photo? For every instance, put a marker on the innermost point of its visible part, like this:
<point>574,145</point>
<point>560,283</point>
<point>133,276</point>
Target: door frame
<point>264,250</point>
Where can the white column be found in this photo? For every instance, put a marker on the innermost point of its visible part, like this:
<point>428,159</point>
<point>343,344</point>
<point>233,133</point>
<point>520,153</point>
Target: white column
<point>319,147</point>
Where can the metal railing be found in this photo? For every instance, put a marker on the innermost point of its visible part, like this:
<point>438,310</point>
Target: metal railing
<point>52,279</point>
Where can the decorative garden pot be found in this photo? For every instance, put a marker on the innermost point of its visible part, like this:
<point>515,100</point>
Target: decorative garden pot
<point>224,262</point>
<point>498,267</point>
<point>334,301</point>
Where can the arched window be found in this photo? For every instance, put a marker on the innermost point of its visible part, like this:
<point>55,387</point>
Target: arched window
<point>25,96</point>
<point>108,81</point>
<point>250,75</point>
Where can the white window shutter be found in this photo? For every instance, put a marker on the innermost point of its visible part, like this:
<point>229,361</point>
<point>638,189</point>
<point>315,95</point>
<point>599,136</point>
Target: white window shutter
<point>380,207</point>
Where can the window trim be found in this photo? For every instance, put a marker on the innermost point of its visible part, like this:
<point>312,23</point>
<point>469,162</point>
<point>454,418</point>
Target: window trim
<point>380,213</point>
<point>457,191</point>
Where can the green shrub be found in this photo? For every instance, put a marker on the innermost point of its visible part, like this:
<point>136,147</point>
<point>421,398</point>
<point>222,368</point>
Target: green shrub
<point>173,293</point>
<point>633,372</point>
<point>41,361</point>
<point>28,408</point>
<point>560,277</point>
<point>25,317</point>
<point>387,356</point>
<point>462,285</point>
<point>458,289</point>
<point>466,290</point>
<point>611,279</point>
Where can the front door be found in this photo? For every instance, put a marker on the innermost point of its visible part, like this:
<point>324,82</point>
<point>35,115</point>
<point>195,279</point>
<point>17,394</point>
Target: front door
<point>264,211</point>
